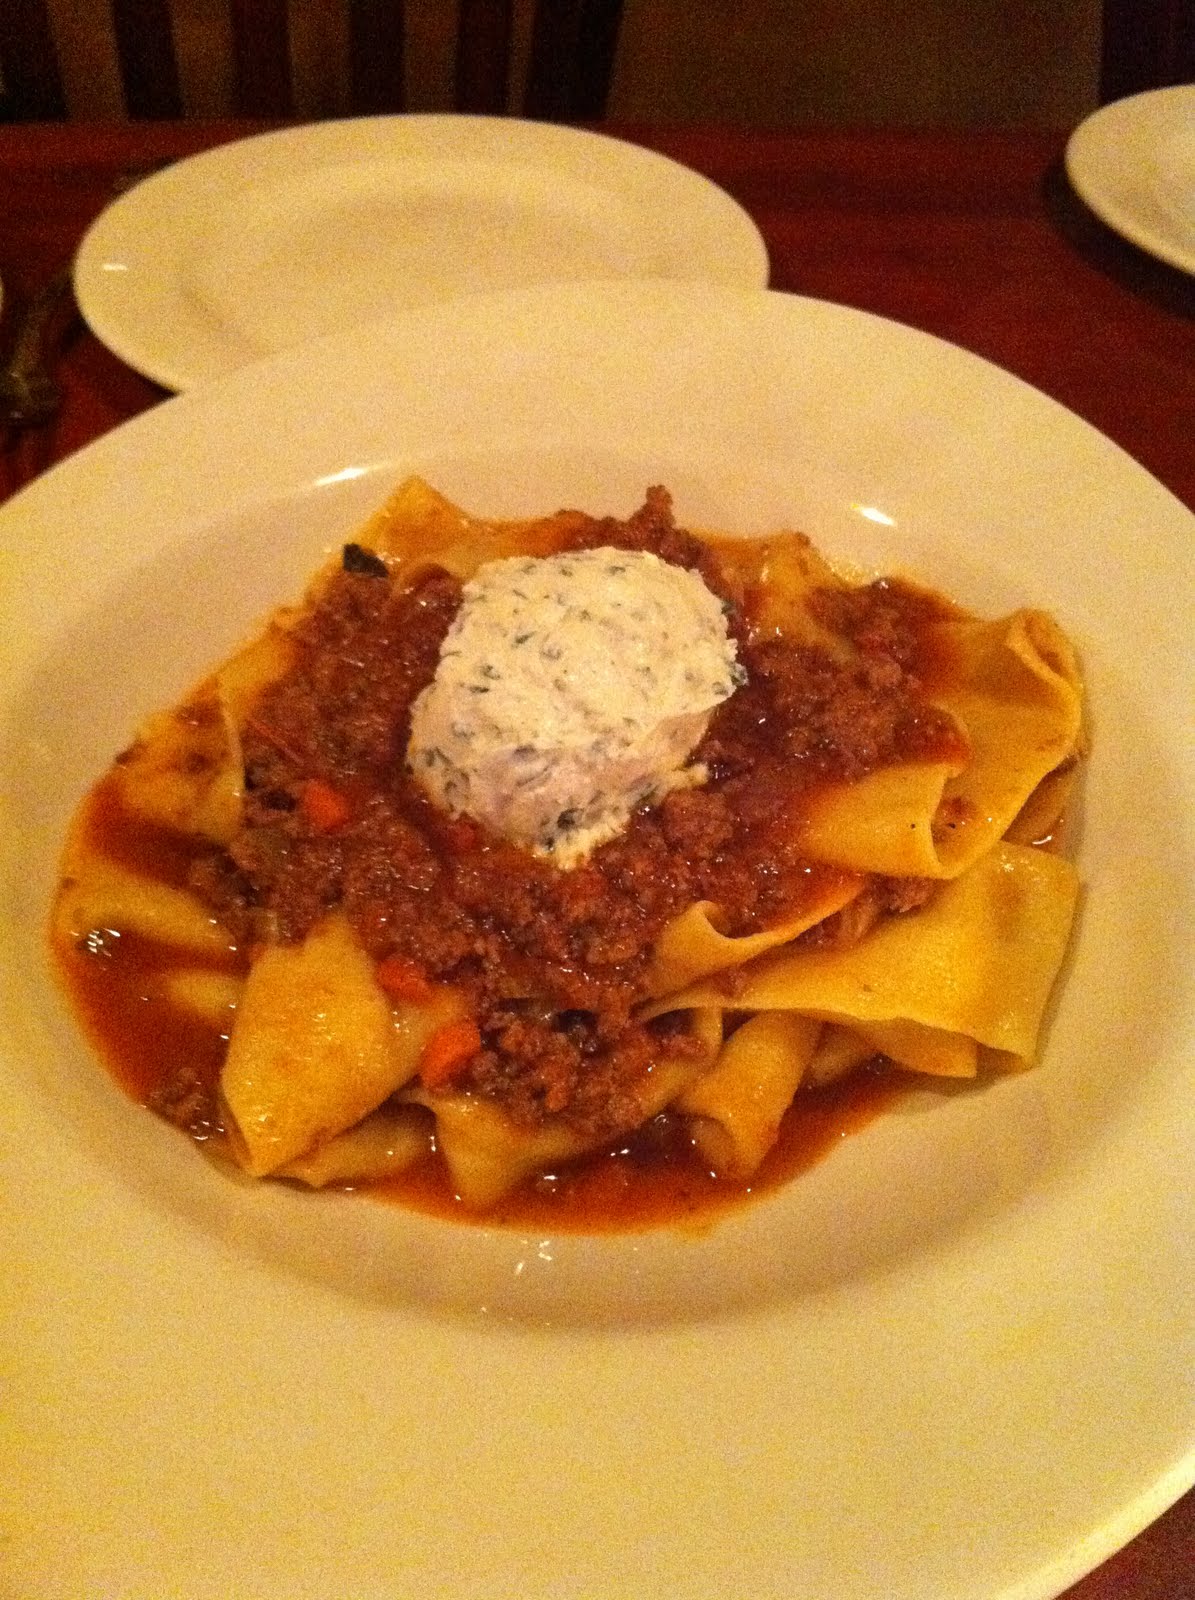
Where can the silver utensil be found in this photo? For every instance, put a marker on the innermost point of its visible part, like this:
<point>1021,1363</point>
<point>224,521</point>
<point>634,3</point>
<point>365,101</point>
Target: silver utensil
<point>29,396</point>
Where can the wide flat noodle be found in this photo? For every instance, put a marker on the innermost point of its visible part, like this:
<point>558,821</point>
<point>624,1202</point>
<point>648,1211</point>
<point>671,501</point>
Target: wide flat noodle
<point>922,1047</point>
<point>204,993</point>
<point>243,677</point>
<point>692,947</point>
<point>487,1152</point>
<point>777,575</point>
<point>978,961</point>
<point>883,822</point>
<point>106,898</point>
<point>1017,695</point>
<point>386,1142</point>
<point>1043,817</point>
<point>738,1104</point>
<point>185,769</point>
<point>417,524</point>
<point>839,1052</point>
<point>316,1046</point>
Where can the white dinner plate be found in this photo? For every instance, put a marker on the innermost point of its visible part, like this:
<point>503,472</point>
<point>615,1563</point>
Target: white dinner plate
<point>1133,162</point>
<point>267,242</point>
<point>954,1360</point>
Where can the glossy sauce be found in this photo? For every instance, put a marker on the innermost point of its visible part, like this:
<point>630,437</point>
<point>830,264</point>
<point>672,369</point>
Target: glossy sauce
<point>769,748</point>
<point>653,1178</point>
<point>656,1178</point>
<point>118,980</point>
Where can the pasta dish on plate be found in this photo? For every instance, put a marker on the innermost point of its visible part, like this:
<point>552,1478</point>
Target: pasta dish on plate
<point>520,851</point>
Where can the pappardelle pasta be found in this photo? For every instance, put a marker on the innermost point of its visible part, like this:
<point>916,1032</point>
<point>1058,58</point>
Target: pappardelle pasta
<point>513,842</point>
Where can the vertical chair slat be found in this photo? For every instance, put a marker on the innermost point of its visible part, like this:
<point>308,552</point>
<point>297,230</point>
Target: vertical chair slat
<point>32,86</point>
<point>376,56</point>
<point>483,55</point>
<point>1147,44</point>
<point>146,57</point>
<point>572,59</point>
<point>261,65</point>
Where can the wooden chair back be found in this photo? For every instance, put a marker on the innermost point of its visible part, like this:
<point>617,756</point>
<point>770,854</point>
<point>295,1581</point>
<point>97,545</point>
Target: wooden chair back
<point>568,73</point>
<point>1145,44</point>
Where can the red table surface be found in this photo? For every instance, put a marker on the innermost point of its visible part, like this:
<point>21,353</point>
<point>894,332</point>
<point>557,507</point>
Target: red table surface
<point>975,237</point>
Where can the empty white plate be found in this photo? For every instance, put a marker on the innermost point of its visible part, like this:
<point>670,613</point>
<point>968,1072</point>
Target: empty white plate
<point>1133,162</point>
<point>267,242</point>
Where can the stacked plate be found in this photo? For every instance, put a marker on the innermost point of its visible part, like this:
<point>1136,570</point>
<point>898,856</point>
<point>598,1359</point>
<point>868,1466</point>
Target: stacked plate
<point>1133,162</point>
<point>268,242</point>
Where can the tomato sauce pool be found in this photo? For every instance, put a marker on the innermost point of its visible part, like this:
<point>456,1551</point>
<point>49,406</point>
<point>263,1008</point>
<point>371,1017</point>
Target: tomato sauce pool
<point>763,774</point>
<point>653,1178</point>
<point>656,1178</point>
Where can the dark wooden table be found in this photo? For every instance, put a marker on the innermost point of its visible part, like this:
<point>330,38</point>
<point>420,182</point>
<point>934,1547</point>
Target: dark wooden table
<point>974,237</point>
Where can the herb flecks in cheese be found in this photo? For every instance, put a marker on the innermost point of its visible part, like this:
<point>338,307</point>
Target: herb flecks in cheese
<point>570,690</point>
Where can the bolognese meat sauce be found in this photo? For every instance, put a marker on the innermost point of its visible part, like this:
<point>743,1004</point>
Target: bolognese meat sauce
<point>553,961</point>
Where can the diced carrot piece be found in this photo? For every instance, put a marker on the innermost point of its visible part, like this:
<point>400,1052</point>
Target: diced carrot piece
<point>447,1052</point>
<point>324,806</point>
<point>404,980</point>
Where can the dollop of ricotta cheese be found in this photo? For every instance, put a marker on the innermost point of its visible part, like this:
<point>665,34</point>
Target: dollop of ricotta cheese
<point>570,690</point>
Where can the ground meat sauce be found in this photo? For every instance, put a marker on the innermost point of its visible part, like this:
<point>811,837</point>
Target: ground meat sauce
<point>553,962</point>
